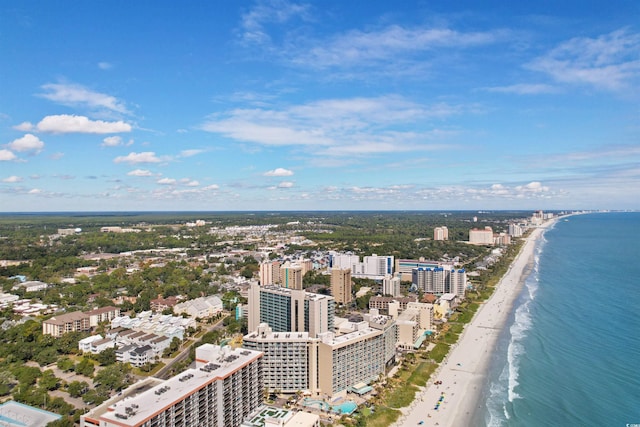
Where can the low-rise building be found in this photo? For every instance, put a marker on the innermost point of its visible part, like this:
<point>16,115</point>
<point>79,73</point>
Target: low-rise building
<point>63,323</point>
<point>203,307</point>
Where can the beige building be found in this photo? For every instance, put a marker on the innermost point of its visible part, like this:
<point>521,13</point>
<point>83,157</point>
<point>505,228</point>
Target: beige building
<point>341,285</point>
<point>291,276</point>
<point>68,322</point>
<point>441,233</point>
<point>269,273</point>
<point>103,314</point>
<point>481,237</point>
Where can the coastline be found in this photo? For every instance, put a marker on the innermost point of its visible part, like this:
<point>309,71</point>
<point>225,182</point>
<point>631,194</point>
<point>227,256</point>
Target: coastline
<point>464,370</point>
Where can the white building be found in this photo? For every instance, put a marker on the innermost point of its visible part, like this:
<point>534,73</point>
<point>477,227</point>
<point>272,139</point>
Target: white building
<point>391,284</point>
<point>203,307</point>
<point>31,286</point>
<point>221,392</point>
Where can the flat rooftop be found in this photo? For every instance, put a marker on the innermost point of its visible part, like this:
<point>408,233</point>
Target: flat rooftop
<point>135,408</point>
<point>14,414</point>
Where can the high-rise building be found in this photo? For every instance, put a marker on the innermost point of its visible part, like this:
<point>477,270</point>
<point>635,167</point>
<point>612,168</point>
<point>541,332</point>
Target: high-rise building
<point>341,285</point>
<point>375,265</point>
<point>342,261</point>
<point>391,284</point>
<point>359,356</point>
<point>290,310</point>
<point>220,392</point>
<point>515,230</point>
<point>441,233</point>
<point>329,364</point>
<point>406,266</point>
<point>457,282</point>
<point>440,280</point>
<point>291,276</point>
<point>290,359</point>
<point>269,273</point>
<point>481,237</point>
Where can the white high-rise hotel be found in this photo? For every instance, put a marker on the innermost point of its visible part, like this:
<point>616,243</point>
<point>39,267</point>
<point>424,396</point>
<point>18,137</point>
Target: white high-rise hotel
<point>220,392</point>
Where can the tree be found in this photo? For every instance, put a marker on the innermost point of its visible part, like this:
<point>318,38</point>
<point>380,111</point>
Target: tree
<point>77,388</point>
<point>48,380</point>
<point>113,377</point>
<point>65,364</point>
<point>85,367</point>
<point>106,356</point>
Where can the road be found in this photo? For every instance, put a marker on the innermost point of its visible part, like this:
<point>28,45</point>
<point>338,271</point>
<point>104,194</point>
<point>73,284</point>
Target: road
<point>165,371</point>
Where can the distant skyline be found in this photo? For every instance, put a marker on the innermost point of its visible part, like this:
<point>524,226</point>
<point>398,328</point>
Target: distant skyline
<point>333,105</point>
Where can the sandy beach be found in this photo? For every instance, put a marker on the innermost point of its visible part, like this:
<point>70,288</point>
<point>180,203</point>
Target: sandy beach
<point>463,371</point>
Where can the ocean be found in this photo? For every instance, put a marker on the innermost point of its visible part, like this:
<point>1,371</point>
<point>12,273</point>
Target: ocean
<point>569,354</point>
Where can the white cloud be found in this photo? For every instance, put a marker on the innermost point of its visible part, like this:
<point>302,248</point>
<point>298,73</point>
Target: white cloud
<point>532,187</point>
<point>24,126</point>
<point>192,183</point>
<point>112,141</point>
<point>133,158</point>
<point>607,62</point>
<point>338,126</point>
<point>6,156</point>
<point>105,65</point>
<point>279,172</point>
<point>140,172</point>
<point>211,187</point>
<point>388,45</point>
<point>285,184</point>
<point>35,191</point>
<point>167,181</point>
<point>190,153</point>
<point>65,123</point>
<point>79,96</point>
<point>265,12</point>
<point>12,179</point>
<point>28,142</point>
<point>523,89</point>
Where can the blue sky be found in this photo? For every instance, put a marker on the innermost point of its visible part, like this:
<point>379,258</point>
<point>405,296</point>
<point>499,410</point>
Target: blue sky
<point>331,105</point>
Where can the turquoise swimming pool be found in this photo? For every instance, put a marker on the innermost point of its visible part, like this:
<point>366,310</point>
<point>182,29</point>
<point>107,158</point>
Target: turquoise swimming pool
<point>345,408</point>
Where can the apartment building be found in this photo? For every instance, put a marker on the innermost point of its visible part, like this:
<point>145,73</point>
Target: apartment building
<point>69,322</point>
<point>441,233</point>
<point>220,392</point>
<point>406,266</point>
<point>103,314</point>
<point>391,284</point>
<point>481,236</point>
<point>291,276</point>
<point>290,310</point>
<point>329,365</point>
<point>289,363</point>
<point>360,356</point>
<point>269,273</point>
<point>341,285</point>
<point>439,280</point>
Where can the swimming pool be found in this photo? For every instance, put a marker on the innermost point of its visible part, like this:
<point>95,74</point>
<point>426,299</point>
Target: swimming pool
<point>345,408</point>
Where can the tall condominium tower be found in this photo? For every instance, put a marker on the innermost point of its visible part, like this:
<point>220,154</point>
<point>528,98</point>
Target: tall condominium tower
<point>440,280</point>
<point>341,285</point>
<point>481,237</point>
<point>291,276</point>
<point>220,392</point>
<point>441,233</point>
<point>391,284</point>
<point>290,310</point>
<point>269,273</point>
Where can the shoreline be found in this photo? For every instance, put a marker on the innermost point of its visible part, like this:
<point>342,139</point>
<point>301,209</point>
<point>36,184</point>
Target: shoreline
<point>465,368</point>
